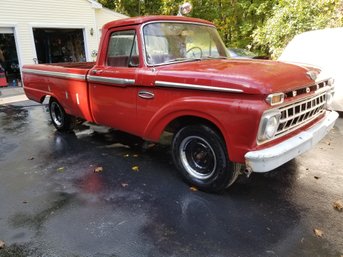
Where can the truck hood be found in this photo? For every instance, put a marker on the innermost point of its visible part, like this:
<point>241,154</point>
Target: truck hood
<point>247,76</point>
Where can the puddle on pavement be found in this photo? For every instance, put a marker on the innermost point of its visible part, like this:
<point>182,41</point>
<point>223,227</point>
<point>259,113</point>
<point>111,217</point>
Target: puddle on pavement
<point>13,119</point>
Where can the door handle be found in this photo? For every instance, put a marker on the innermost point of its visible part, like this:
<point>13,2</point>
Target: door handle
<point>96,71</point>
<point>146,94</point>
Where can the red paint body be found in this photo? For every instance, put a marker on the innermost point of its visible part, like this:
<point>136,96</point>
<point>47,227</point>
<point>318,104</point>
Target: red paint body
<point>236,115</point>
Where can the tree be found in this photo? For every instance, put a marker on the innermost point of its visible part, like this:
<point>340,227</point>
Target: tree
<point>291,17</point>
<point>265,26</point>
<point>134,7</point>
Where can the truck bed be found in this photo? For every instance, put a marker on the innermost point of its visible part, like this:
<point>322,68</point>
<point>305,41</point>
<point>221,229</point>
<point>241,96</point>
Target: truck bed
<point>64,81</point>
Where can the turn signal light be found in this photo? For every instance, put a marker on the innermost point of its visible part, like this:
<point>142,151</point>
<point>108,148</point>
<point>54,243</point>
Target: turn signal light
<point>274,99</point>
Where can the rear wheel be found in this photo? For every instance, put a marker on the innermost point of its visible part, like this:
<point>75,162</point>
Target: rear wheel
<point>200,155</point>
<point>61,120</point>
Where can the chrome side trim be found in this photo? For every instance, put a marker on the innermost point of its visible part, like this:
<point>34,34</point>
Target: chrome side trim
<point>196,87</point>
<point>55,74</point>
<point>107,80</point>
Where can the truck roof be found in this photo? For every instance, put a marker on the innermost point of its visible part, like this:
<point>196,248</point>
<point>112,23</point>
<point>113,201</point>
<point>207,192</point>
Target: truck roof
<point>145,19</point>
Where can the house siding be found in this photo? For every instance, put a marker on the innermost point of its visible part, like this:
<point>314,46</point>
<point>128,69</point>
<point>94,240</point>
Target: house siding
<point>24,15</point>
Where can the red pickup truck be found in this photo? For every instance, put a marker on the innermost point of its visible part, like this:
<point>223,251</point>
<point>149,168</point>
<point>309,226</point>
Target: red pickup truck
<point>166,73</point>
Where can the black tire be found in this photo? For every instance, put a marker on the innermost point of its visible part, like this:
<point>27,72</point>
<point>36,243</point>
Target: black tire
<point>62,121</point>
<point>200,155</point>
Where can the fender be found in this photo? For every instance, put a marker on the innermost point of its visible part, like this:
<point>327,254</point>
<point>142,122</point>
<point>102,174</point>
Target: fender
<point>187,106</point>
<point>237,120</point>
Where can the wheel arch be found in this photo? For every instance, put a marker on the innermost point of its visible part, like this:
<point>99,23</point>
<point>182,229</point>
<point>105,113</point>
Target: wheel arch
<point>42,99</point>
<point>175,121</point>
<point>181,121</point>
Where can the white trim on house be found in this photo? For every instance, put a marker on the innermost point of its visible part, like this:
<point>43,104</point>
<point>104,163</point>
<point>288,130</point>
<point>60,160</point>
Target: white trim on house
<point>95,4</point>
<point>7,24</point>
<point>34,52</point>
<point>6,30</point>
<point>57,25</point>
<point>17,45</point>
<point>86,44</point>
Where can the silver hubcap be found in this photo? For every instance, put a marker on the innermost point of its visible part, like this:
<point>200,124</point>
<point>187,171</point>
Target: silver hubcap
<point>198,157</point>
<point>56,114</point>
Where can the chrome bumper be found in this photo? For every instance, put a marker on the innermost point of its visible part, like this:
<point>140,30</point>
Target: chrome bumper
<point>273,157</point>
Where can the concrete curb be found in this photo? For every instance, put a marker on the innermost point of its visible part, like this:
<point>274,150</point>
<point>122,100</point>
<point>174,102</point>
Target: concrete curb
<point>11,95</point>
<point>11,91</point>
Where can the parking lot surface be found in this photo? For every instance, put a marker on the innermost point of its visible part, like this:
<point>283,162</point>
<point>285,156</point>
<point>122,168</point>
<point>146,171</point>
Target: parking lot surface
<point>100,192</point>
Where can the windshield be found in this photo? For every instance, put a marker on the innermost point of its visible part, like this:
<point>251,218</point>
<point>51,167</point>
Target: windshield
<point>167,42</point>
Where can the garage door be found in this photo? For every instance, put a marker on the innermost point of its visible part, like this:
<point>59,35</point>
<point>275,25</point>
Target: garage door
<point>8,56</point>
<point>59,45</point>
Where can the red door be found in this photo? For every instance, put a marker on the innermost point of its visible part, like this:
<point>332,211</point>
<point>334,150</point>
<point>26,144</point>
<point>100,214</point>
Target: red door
<point>112,86</point>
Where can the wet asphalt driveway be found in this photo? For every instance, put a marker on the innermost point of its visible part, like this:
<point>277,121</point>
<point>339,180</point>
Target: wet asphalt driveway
<point>52,203</point>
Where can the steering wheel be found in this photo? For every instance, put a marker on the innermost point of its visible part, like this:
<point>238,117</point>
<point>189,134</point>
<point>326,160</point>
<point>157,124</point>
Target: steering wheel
<point>195,52</point>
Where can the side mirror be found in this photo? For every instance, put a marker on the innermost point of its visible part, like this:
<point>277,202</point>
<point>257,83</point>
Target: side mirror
<point>184,9</point>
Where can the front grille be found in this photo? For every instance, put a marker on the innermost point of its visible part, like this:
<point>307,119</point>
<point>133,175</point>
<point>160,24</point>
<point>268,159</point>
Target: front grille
<point>296,114</point>
<point>306,90</point>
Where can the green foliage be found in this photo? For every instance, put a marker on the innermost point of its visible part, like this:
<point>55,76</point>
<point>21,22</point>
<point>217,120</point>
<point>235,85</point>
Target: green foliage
<point>265,26</point>
<point>291,17</point>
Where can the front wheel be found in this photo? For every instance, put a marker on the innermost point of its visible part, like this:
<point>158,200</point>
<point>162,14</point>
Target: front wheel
<point>61,120</point>
<point>200,155</point>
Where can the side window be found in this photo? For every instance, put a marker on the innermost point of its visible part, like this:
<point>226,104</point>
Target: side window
<point>122,49</point>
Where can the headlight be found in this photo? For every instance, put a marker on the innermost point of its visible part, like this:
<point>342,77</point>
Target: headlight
<point>268,125</point>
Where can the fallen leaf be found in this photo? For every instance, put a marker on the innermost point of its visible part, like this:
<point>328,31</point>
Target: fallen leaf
<point>316,177</point>
<point>124,184</point>
<point>98,169</point>
<point>135,168</point>
<point>338,205</point>
<point>318,232</point>
<point>194,189</point>
<point>60,169</point>
<point>2,244</point>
